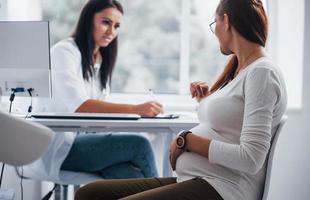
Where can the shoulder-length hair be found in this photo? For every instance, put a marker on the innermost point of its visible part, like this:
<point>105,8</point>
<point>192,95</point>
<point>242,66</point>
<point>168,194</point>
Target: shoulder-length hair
<point>249,18</point>
<point>83,36</point>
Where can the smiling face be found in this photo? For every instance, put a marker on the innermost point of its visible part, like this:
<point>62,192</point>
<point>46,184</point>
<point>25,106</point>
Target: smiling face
<point>106,23</point>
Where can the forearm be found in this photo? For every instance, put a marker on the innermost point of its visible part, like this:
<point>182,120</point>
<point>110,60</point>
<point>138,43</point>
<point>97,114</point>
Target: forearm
<point>99,106</point>
<point>197,144</point>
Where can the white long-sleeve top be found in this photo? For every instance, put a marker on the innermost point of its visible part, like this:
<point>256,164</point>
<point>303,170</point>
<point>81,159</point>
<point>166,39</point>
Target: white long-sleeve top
<point>240,119</point>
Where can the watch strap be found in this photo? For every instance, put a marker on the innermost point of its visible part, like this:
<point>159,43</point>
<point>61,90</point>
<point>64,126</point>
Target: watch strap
<point>183,134</point>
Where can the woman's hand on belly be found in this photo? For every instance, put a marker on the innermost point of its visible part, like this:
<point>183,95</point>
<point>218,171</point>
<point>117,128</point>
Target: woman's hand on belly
<point>175,152</point>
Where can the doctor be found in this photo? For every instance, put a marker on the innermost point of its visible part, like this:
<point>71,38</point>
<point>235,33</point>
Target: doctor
<point>82,67</point>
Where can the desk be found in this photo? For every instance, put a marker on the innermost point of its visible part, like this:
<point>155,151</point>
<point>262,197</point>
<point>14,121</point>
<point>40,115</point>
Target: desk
<point>169,126</point>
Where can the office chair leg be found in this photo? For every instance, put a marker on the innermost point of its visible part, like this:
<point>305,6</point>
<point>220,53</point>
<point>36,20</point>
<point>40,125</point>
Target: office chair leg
<point>61,192</point>
<point>75,188</point>
<point>64,191</point>
<point>57,192</point>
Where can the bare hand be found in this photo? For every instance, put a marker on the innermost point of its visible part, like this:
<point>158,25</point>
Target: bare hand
<point>175,152</point>
<point>148,109</point>
<point>199,90</point>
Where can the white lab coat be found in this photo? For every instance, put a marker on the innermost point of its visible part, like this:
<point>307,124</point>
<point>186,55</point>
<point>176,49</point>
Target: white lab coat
<point>69,91</point>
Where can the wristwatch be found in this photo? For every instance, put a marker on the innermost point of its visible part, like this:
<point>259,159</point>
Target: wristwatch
<point>181,139</point>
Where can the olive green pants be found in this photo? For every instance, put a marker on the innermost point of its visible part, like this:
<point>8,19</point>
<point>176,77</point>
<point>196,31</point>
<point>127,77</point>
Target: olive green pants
<point>148,189</point>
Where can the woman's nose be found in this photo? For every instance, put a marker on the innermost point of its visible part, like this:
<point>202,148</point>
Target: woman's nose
<point>111,30</point>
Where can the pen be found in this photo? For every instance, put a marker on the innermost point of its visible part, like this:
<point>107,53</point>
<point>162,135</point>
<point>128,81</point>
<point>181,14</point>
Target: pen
<point>153,97</point>
<point>152,94</point>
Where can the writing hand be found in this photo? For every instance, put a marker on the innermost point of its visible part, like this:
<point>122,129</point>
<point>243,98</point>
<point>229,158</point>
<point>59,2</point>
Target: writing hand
<point>148,109</point>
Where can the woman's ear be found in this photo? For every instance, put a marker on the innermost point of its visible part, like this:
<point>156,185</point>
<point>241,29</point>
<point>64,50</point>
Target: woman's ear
<point>226,22</point>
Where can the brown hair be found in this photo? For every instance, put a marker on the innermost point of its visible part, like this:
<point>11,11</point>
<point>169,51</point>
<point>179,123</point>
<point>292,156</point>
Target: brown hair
<point>83,36</point>
<point>249,18</point>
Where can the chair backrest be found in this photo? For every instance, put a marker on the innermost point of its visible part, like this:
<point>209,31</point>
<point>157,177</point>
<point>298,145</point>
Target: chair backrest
<point>271,155</point>
<point>21,141</point>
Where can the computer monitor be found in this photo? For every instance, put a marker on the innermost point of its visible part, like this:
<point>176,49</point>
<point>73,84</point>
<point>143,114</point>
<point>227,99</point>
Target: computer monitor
<point>25,57</point>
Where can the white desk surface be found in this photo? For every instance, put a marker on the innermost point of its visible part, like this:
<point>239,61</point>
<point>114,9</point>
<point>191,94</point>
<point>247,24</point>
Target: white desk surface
<point>183,122</point>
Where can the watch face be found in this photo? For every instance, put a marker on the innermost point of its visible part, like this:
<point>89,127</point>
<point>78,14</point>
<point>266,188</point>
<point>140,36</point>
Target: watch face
<point>180,142</point>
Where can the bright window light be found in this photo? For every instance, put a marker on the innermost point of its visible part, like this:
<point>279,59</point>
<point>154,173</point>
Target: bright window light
<point>171,45</point>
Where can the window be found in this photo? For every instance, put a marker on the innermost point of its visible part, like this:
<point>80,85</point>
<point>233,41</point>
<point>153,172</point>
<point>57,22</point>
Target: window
<point>164,45</point>
<point>62,14</point>
<point>206,61</point>
<point>149,47</point>
<point>167,48</point>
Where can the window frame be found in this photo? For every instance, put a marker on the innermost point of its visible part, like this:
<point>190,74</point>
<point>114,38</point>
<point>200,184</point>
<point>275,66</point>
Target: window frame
<point>184,102</point>
<point>183,97</point>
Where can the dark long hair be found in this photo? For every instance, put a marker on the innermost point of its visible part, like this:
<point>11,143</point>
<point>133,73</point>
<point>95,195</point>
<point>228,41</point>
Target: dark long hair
<point>83,36</point>
<point>249,18</point>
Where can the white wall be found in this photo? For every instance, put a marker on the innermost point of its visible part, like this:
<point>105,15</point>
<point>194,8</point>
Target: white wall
<point>285,44</point>
<point>3,9</point>
<point>15,10</point>
<point>31,189</point>
<point>290,178</point>
<point>24,10</point>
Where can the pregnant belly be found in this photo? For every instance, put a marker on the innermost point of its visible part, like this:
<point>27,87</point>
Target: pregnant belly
<point>204,130</point>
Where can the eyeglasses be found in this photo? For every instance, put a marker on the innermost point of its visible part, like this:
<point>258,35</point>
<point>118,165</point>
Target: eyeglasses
<point>212,26</point>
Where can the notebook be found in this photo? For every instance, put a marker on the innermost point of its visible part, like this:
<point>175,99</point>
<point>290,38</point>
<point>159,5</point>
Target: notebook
<point>90,116</point>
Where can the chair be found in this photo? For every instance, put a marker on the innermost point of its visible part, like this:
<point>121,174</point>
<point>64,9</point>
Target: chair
<point>80,178</point>
<point>271,157</point>
<point>61,187</point>
<point>22,142</point>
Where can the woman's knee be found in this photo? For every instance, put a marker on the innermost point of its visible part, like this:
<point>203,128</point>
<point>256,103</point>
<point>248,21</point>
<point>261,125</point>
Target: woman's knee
<point>84,193</point>
<point>142,143</point>
<point>95,190</point>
